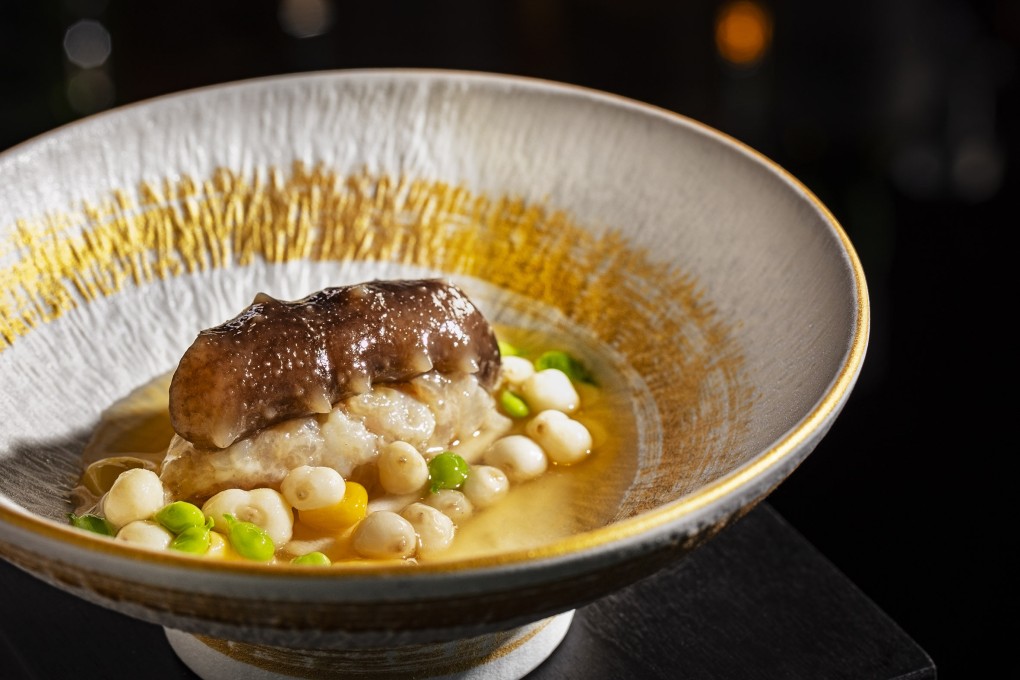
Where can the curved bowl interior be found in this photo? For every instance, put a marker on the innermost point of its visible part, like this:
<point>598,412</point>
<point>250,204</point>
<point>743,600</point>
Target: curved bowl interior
<point>726,296</point>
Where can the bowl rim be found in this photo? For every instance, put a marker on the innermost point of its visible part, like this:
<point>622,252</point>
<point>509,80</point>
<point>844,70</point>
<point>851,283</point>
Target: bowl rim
<point>722,498</point>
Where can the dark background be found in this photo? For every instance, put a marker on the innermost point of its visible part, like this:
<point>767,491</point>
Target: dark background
<point>901,116</point>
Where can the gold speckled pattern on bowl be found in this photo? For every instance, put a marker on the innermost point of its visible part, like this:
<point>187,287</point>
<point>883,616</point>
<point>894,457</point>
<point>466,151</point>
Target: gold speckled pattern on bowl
<point>728,292</point>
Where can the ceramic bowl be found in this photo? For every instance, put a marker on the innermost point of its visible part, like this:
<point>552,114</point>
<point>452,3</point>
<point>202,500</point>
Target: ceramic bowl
<point>726,298</point>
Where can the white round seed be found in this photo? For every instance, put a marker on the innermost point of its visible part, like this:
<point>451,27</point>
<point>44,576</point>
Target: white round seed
<point>518,456</point>
<point>136,494</point>
<point>434,529</point>
<point>550,389</point>
<point>486,485</point>
<point>515,370</point>
<point>564,440</point>
<point>452,503</point>
<point>308,488</point>
<point>145,533</point>
<point>402,469</point>
<point>385,535</point>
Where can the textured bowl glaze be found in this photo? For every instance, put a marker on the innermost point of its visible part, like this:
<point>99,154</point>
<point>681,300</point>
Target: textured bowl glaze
<point>726,294</point>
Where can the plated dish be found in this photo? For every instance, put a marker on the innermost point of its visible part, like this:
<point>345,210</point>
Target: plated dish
<point>720,304</point>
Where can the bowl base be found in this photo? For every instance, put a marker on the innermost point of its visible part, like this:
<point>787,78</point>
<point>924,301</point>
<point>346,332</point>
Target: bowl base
<point>506,655</point>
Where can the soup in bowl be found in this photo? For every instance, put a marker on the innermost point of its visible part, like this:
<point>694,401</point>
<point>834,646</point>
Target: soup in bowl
<point>703,316</point>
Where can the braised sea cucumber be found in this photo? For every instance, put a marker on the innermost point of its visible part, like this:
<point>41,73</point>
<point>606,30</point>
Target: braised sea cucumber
<point>278,360</point>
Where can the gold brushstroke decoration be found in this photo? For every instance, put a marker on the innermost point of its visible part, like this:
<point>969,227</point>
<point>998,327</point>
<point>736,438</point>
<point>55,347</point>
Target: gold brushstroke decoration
<point>648,311</point>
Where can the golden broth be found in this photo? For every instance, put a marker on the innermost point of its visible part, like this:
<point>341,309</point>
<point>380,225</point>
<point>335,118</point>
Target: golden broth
<point>564,501</point>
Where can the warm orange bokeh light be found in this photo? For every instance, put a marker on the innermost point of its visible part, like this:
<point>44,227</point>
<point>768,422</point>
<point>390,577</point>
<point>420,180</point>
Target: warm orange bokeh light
<point>743,31</point>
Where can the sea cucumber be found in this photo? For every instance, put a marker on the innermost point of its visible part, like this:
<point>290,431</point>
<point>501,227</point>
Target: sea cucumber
<point>278,360</point>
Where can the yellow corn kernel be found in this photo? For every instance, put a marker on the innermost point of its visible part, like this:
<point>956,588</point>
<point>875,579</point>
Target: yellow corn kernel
<point>348,512</point>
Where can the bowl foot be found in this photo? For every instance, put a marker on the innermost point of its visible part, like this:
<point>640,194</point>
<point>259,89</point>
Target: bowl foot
<point>507,655</point>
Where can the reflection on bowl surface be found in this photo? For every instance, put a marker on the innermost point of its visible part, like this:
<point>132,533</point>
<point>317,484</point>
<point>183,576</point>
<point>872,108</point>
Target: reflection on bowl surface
<point>721,299</point>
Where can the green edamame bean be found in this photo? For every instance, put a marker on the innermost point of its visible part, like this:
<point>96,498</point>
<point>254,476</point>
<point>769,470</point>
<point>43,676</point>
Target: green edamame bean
<point>93,523</point>
<point>513,405</point>
<point>249,540</point>
<point>180,515</point>
<point>559,359</point>
<point>315,558</point>
<point>194,540</point>
<point>506,349</point>
<point>447,471</point>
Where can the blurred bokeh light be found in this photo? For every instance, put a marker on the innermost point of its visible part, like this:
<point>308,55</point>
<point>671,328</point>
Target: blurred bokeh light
<point>87,44</point>
<point>743,31</point>
<point>306,18</point>
<point>87,47</point>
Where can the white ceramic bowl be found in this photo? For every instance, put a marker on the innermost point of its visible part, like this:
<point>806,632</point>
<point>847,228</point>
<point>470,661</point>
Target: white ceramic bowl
<point>726,295</point>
